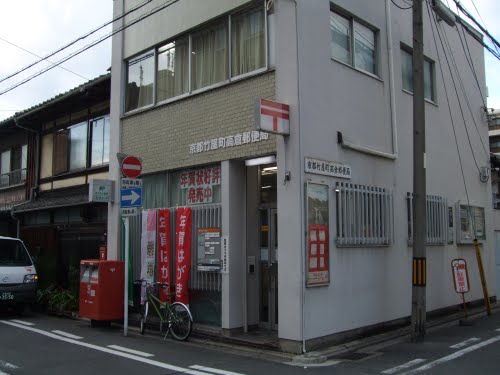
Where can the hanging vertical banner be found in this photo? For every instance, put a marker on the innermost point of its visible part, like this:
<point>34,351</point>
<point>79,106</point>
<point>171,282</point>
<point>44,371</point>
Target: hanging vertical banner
<point>148,247</point>
<point>164,251</point>
<point>182,253</point>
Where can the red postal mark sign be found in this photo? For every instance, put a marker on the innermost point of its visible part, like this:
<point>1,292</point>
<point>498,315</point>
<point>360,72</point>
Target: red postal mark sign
<point>131,167</point>
<point>274,117</point>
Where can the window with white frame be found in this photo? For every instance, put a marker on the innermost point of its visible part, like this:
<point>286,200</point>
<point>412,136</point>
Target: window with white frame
<point>140,82</point>
<point>206,57</point>
<point>364,215</point>
<point>353,42</point>
<point>13,164</point>
<point>407,74</point>
<point>436,209</point>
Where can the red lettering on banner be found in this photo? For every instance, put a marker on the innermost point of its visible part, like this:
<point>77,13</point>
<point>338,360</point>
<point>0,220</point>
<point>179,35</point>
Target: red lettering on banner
<point>164,251</point>
<point>184,180</point>
<point>199,177</point>
<point>207,176</point>
<point>192,178</point>
<point>182,253</point>
<point>216,175</point>
<point>192,195</point>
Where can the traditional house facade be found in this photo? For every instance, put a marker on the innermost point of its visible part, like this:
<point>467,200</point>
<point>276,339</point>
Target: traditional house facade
<point>313,229</point>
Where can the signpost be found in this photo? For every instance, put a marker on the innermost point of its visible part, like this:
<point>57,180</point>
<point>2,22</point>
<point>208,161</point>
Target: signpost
<point>460,279</point>
<point>130,200</point>
<point>273,117</point>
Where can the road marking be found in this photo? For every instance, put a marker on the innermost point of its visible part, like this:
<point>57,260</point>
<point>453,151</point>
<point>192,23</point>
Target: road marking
<point>404,366</point>
<point>132,351</point>
<point>465,343</point>
<point>22,322</point>
<point>3,373</point>
<point>66,334</point>
<point>214,370</point>
<point>8,365</point>
<point>107,350</point>
<point>453,356</point>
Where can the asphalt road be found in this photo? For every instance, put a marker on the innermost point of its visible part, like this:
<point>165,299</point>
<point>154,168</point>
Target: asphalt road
<point>40,344</point>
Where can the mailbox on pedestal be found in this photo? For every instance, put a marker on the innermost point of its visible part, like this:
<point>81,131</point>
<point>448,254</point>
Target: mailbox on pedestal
<point>101,290</point>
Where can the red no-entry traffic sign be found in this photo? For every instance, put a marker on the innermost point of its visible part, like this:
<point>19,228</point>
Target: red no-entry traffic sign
<point>131,167</point>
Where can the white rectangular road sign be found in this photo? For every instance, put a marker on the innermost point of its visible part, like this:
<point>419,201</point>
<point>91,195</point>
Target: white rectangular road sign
<point>129,211</point>
<point>131,183</point>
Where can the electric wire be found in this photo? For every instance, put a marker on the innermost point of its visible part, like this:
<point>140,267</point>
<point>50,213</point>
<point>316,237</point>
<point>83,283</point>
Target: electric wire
<point>451,118</point>
<point>400,7</point>
<point>75,41</point>
<point>94,43</point>
<point>34,54</point>
<point>444,45</point>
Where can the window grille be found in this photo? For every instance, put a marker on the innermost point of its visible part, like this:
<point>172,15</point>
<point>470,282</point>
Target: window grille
<point>436,218</point>
<point>364,215</point>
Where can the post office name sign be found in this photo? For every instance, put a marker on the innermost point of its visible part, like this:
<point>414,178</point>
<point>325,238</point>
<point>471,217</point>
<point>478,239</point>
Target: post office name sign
<point>327,168</point>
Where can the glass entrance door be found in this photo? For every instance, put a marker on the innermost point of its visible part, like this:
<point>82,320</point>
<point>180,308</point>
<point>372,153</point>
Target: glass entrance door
<point>268,263</point>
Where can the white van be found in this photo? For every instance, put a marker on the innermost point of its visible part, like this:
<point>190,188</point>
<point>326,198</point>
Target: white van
<point>18,277</point>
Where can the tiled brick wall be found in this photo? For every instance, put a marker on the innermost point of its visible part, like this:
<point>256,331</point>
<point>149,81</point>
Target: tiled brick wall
<point>162,136</point>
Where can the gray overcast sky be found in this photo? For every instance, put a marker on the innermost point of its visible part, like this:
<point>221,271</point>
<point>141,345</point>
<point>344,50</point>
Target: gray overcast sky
<point>42,26</point>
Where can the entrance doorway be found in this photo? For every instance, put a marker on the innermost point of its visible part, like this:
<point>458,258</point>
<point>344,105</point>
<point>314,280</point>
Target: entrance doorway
<point>268,264</point>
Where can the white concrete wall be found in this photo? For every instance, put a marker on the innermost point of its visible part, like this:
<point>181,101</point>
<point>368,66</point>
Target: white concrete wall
<point>371,285</point>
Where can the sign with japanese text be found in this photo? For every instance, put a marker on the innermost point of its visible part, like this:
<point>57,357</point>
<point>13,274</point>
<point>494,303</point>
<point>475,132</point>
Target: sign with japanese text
<point>209,249</point>
<point>460,275</point>
<point>199,184</point>
<point>318,251</point>
<point>182,253</point>
<point>318,255</point>
<point>273,117</point>
<point>225,254</point>
<point>100,190</point>
<point>229,141</point>
<point>327,168</point>
<point>164,261</point>
<point>148,248</point>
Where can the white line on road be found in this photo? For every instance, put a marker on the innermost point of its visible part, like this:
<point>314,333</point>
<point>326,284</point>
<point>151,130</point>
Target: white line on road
<point>107,350</point>
<point>132,351</point>
<point>22,322</point>
<point>465,343</point>
<point>453,356</point>
<point>404,366</point>
<point>66,334</point>
<point>7,365</point>
<point>3,373</point>
<point>214,370</point>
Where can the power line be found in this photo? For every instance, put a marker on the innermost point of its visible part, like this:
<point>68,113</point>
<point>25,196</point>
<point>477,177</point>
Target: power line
<point>34,54</point>
<point>93,44</point>
<point>75,41</point>
<point>400,7</point>
<point>451,118</point>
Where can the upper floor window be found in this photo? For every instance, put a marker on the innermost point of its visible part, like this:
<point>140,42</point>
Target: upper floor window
<point>140,81</point>
<point>100,141</point>
<point>13,164</point>
<point>231,47</point>
<point>407,73</point>
<point>352,42</point>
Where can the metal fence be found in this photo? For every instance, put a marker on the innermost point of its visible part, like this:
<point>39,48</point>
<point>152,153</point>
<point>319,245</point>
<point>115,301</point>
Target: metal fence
<point>436,219</point>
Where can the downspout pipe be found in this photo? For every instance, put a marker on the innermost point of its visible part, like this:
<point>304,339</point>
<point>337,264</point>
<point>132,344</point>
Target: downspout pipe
<point>390,58</point>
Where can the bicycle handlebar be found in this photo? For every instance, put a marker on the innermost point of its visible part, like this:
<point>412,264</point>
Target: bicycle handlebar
<point>146,283</point>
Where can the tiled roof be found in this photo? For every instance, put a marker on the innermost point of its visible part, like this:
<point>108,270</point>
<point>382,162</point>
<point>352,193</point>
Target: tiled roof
<point>56,98</point>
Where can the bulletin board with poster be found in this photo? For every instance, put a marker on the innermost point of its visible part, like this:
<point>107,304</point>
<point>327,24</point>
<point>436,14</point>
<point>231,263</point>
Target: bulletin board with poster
<point>209,250</point>
<point>318,251</point>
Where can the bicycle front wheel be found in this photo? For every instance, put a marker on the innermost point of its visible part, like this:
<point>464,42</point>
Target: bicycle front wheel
<point>144,315</point>
<point>180,321</point>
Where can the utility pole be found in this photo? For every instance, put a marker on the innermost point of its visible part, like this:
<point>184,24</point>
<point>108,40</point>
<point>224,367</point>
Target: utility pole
<point>418,299</point>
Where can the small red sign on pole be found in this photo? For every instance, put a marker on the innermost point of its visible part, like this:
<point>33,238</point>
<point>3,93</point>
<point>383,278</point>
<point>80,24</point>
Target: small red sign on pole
<point>131,167</point>
<point>460,275</point>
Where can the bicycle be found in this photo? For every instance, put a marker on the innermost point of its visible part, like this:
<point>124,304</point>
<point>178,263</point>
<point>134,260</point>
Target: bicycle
<point>176,315</point>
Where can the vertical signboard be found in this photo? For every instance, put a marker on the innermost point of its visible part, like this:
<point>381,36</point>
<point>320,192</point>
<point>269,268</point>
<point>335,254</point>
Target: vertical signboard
<point>164,251</point>
<point>182,253</point>
<point>318,251</point>
<point>460,275</point>
<point>148,248</point>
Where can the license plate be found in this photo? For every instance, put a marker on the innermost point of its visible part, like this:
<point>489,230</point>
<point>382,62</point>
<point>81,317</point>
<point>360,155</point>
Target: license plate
<point>6,296</point>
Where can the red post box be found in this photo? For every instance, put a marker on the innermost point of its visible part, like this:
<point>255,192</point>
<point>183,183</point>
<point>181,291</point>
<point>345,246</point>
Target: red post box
<point>101,289</point>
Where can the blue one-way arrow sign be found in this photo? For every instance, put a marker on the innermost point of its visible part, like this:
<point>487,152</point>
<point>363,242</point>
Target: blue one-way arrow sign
<point>131,197</point>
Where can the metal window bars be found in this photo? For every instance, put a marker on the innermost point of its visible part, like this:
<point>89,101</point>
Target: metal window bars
<point>364,215</point>
<point>436,218</point>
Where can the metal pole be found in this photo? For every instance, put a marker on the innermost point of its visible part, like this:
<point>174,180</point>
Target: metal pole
<point>126,229</point>
<point>483,277</point>
<point>419,189</point>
